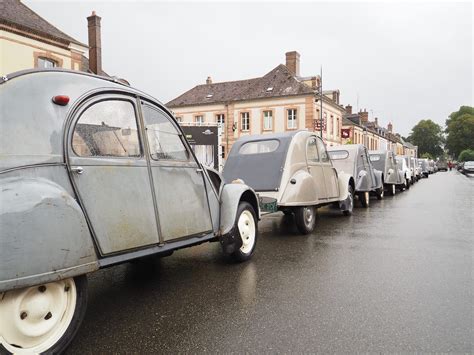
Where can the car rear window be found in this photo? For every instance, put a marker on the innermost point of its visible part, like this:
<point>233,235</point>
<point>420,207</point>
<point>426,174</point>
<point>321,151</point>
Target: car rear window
<point>339,154</point>
<point>374,157</point>
<point>259,147</point>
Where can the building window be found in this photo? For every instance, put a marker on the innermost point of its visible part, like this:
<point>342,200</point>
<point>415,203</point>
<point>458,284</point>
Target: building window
<point>245,121</point>
<point>267,120</point>
<point>220,119</point>
<point>179,119</point>
<point>333,126</point>
<point>45,63</point>
<point>338,130</point>
<point>199,120</point>
<point>291,118</point>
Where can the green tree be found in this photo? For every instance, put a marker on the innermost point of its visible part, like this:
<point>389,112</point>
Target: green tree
<point>426,156</point>
<point>466,155</point>
<point>460,130</point>
<point>428,136</point>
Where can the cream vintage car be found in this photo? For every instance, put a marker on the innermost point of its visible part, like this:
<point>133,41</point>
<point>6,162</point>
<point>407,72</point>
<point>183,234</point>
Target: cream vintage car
<point>293,169</point>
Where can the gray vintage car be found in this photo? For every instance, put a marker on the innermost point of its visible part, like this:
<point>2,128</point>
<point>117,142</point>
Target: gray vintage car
<point>384,161</point>
<point>424,167</point>
<point>94,173</point>
<point>354,159</point>
<point>294,170</point>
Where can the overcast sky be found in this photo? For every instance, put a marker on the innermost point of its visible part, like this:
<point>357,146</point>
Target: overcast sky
<point>403,62</point>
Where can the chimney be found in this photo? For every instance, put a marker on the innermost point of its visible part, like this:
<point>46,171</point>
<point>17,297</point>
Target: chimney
<point>208,80</point>
<point>376,121</point>
<point>390,127</point>
<point>293,62</point>
<point>95,46</point>
<point>364,117</point>
<point>349,109</point>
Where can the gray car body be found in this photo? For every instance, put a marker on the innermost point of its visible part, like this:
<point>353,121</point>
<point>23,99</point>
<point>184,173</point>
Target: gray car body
<point>384,161</point>
<point>357,164</point>
<point>46,230</point>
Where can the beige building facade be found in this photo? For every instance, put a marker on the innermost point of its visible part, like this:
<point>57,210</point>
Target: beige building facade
<point>280,101</point>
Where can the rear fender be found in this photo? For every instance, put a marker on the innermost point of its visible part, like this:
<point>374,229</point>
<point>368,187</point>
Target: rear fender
<point>362,183</point>
<point>44,235</point>
<point>344,181</point>
<point>301,192</point>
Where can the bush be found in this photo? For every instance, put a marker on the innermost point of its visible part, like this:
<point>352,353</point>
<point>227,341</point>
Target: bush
<point>466,155</point>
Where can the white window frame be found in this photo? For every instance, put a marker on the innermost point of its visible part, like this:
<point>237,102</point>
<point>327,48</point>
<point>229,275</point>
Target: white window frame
<point>245,121</point>
<point>291,116</point>
<point>267,119</point>
<point>220,119</point>
<point>199,122</point>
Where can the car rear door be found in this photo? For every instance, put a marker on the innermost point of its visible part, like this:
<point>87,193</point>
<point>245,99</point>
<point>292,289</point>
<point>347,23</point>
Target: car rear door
<point>110,174</point>
<point>178,179</point>
<point>315,168</point>
<point>330,173</point>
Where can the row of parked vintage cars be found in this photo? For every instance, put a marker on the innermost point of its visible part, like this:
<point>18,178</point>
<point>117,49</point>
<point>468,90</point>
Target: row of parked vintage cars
<point>94,173</point>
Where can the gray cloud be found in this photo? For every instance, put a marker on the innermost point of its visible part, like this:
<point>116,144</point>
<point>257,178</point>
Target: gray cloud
<point>404,61</point>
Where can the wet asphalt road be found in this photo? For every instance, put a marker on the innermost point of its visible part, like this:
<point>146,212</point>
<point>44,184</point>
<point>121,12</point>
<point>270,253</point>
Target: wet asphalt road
<point>395,277</point>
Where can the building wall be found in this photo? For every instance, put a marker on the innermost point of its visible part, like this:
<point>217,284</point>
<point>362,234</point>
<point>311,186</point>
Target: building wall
<point>20,52</point>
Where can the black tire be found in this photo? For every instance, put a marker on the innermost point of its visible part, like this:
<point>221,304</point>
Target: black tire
<point>407,184</point>
<point>287,212</point>
<point>349,211</point>
<point>239,255</point>
<point>305,218</point>
<point>80,310</point>
<point>364,199</point>
<point>379,193</point>
<point>391,190</point>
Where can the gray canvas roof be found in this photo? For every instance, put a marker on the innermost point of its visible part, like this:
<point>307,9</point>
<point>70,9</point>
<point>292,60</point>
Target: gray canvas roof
<point>17,15</point>
<point>261,171</point>
<point>280,79</point>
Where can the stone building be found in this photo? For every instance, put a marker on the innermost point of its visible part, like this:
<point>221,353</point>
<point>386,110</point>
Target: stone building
<point>281,100</point>
<point>28,41</point>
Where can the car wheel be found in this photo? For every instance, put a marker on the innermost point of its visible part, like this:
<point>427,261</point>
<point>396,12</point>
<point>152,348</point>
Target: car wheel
<point>44,318</point>
<point>305,218</point>
<point>379,193</point>
<point>392,190</point>
<point>246,224</point>
<point>350,207</point>
<point>364,199</point>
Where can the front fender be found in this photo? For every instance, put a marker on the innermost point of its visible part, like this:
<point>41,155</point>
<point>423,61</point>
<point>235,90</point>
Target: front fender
<point>230,197</point>
<point>44,235</point>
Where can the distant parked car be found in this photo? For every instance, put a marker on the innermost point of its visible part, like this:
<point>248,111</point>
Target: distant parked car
<point>353,159</point>
<point>460,166</point>
<point>442,165</point>
<point>293,169</point>
<point>93,174</point>
<point>415,169</point>
<point>431,166</point>
<point>402,163</point>
<point>468,168</point>
<point>423,164</point>
<point>384,161</point>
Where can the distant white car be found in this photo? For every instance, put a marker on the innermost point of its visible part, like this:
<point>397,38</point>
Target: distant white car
<point>405,172</point>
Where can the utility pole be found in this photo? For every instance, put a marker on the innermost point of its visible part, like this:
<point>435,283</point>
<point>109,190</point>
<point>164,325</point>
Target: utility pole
<point>321,99</point>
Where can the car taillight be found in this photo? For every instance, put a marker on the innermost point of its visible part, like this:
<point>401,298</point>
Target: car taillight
<point>61,100</point>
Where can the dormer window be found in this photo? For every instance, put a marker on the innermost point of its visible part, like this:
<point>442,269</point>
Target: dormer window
<point>45,63</point>
<point>270,89</point>
<point>208,96</point>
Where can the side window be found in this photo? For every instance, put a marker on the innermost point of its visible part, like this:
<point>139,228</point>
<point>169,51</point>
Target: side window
<point>107,129</point>
<point>312,151</point>
<point>322,151</point>
<point>164,139</point>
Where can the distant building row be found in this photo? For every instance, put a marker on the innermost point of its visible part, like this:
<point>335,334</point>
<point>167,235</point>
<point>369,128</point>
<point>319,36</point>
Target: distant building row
<point>281,100</point>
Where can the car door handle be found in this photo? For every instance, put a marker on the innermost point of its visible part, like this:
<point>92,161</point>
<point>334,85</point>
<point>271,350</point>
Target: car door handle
<point>78,170</point>
<point>198,170</point>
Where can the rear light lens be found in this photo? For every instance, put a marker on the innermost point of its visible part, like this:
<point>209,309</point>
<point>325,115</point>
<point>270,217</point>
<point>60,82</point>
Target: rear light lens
<point>61,100</point>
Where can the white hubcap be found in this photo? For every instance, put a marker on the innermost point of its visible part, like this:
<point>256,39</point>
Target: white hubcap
<point>33,319</point>
<point>246,225</point>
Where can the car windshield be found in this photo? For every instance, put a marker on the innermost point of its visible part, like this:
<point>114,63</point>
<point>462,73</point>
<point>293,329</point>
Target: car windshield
<point>469,164</point>
<point>339,154</point>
